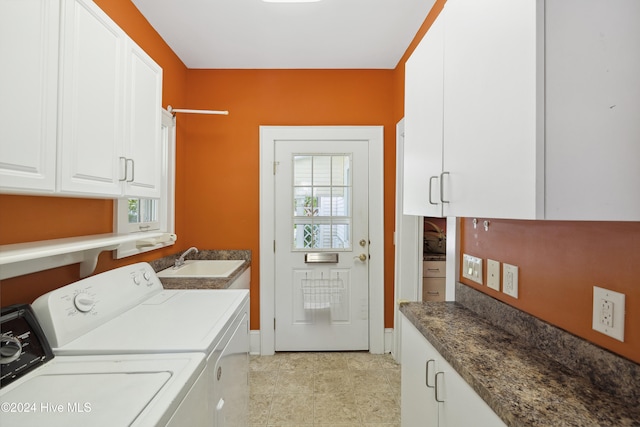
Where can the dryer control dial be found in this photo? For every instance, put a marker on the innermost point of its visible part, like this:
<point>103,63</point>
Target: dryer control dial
<point>83,302</point>
<point>10,349</point>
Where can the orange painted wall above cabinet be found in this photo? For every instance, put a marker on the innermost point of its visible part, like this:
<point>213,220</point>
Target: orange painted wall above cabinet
<point>559,263</point>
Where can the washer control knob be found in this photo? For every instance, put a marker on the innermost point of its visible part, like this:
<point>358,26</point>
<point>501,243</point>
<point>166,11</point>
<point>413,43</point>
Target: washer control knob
<point>136,279</point>
<point>83,302</point>
<point>10,349</point>
<point>146,275</point>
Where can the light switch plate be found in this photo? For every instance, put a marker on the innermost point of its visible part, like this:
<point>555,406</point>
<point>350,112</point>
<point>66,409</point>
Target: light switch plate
<point>608,312</point>
<point>472,268</point>
<point>493,274</point>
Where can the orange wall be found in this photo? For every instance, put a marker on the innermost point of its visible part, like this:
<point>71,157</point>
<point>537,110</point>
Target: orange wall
<point>221,161</point>
<point>558,265</point>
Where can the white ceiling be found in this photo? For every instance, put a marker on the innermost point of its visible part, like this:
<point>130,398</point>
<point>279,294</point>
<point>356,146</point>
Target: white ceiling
<point>253,34</point>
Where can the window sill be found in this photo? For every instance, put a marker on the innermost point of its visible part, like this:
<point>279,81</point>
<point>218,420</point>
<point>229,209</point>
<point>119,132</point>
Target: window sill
<point>25,258</point>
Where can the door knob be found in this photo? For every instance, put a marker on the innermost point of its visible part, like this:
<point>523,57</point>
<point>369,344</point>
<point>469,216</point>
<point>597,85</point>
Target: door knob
<point>361,257</point>
<point>363,243</point>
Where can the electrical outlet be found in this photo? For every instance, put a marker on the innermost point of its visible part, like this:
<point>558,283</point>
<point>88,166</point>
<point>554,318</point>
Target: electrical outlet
<point>608,312</point>
<point>472,268</point>
<point>510,280</point>
<point>493,274</point>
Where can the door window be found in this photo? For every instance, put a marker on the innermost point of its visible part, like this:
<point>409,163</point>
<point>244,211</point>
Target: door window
<point>322,186</point>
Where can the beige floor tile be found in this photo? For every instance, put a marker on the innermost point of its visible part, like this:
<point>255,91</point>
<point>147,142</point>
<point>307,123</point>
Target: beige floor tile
<point>264,363</point>
<point>262,382</point>
<point>363,361</point>
<point>332,382</point>
<point>335,408</point>
<point>324,389</point>
<point>331,361</point>
<point>378,407</point>
<point>301,361</point>
<point>294,382</point>
<point>259,408</point>
<point>370,381</point>
<point>291,409</point>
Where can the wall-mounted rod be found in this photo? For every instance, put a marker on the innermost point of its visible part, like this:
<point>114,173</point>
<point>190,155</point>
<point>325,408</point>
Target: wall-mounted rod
<point>173,111</point>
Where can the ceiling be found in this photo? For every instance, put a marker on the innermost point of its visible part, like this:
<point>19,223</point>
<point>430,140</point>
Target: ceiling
<point>252,34</point>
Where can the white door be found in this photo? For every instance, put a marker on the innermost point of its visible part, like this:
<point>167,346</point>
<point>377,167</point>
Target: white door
<point>321,245</point>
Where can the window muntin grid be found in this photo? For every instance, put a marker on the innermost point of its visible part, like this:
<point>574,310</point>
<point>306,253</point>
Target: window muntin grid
<point>322,202</point>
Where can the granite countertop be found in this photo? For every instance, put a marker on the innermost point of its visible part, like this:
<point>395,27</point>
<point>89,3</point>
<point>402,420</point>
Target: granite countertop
<point>521,384</point>
<point>199,282</point>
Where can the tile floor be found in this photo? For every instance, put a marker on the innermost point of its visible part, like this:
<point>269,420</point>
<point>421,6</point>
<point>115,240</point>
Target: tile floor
<point>337,389</point>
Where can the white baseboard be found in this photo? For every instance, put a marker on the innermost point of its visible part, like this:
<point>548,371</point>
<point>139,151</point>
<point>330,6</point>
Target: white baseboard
<point>388,340</point>
<point>254,342</point>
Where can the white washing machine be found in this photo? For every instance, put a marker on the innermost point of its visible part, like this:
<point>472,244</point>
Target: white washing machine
<point>40,389</point>
<point>127,311</point>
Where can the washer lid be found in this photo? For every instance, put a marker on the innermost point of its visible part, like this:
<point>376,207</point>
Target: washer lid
<point>102,391</point>
<point>171,321</point>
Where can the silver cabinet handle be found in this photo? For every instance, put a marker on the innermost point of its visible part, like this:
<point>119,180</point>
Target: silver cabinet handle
<point>442,187</point>
<point>133,169</point>
<point>426,379</point>
<point>125,169</point>
<point>431,178</point>
<point>437,388</point>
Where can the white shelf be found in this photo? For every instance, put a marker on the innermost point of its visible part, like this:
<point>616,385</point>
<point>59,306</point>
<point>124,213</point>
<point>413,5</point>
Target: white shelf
<point>25,258</point>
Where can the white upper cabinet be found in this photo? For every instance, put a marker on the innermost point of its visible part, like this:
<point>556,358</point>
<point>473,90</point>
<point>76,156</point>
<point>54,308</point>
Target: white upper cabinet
<point>593,110</point>
<point>491,140</point>
<point>423,123</point>
<point>92,158</point>
<point>540,111</point>
<point>29,85</point>
<point>111,108</point>
<point>143,124</point>
<point>83,104</point>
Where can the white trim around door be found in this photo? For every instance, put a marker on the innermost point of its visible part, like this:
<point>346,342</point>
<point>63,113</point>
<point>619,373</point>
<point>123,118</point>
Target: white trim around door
<point>375,136</point>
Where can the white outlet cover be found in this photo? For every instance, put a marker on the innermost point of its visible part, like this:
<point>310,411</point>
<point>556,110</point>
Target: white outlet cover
<point>510,280</point>
<point>612,326</point>
<point>493,274</point>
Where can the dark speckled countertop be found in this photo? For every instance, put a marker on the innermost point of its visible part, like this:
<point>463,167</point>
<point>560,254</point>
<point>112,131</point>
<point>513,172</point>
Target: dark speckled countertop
<point>520,383</point>
<point>203,283</point>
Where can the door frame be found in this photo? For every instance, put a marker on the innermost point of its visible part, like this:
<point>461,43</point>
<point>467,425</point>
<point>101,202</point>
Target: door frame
<point>375,137</point>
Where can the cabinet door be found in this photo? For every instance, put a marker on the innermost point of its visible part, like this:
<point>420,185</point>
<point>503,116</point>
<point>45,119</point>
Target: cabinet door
<point>492,129</point>
<point>143,123</point>
<point>593,110</point>
<point>29,87</point>
<point>92,138</point>
<point>462,407</point>
<point>418,406</point>
<point>423,124</point>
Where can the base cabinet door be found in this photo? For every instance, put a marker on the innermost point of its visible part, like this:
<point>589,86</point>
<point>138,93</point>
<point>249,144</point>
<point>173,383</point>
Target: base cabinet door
<point>418,407</point>
<point>433,394</point>
<point>460,405</point>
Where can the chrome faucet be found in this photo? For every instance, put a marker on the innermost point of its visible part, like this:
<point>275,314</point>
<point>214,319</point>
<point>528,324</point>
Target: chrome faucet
<point>180,261</point>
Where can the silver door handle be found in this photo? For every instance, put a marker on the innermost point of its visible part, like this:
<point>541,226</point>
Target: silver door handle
<point>426,379</point>
<point>442,187</point>
<point>437,388</point>
<point>430,186</point>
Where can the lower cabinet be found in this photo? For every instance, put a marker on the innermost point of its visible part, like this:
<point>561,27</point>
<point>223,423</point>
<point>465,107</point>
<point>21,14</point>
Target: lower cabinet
<point>432,392</point>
